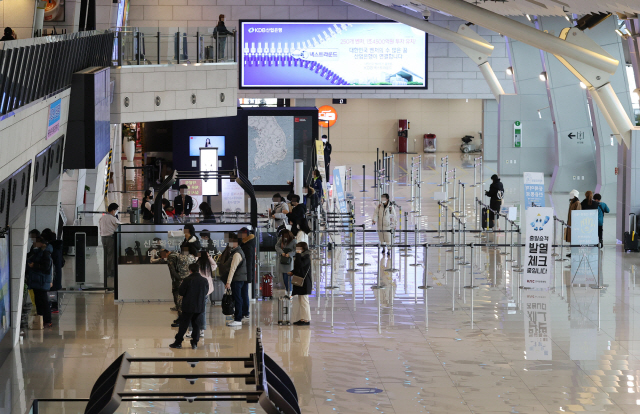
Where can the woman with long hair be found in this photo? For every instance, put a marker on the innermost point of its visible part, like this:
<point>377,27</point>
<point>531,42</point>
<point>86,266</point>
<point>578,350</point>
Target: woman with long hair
<point>589,203</point>
<point>286,249</point>
<point>302,268</point>
<point>207,213</point>
<point>207,266</point>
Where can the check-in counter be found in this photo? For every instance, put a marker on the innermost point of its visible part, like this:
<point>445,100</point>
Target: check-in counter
<point>139,280</point>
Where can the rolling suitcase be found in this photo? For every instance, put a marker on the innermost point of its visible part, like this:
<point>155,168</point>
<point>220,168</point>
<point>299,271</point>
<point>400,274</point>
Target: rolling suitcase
<point>218,291</point>
<point>487,216</point>
<point>284,310</point>
<point>631,242</point>
<point>266,286</point>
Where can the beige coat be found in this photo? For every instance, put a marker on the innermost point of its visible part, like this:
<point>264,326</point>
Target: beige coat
<point>573,205</point>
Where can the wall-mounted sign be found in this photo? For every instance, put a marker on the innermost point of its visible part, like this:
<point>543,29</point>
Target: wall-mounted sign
<point>339,101</point>
<point>517,134</point>
<point>195,187</point>
<point>53,122</point>
<point>327,116</point>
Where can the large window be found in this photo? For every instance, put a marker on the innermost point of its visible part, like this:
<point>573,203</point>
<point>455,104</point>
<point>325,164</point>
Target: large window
<point>332,54</point>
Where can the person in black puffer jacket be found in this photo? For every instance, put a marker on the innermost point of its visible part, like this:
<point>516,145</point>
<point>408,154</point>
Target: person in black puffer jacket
<point>302,268</point>
<point>495,194</point>
<point>39,279</point>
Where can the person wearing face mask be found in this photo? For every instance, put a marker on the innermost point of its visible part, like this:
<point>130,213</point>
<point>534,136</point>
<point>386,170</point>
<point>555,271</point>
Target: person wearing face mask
<point>190,238</point>
<point>385,216</point>
<point>183,203</point>
<point>236,277</point>
<point>33,235</point>
<point>316,184</point>
<point>302,268</point>
<point>279,210</point>
<point>108,225</point>
<point>285,249</point>
<point>147,210</point>
<point>298,211</point>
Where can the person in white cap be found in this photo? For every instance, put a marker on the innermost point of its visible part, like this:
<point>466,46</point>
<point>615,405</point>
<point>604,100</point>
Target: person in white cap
<point>574,204</point>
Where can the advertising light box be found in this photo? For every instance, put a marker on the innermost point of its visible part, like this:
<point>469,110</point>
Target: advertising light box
<point>332,54</point>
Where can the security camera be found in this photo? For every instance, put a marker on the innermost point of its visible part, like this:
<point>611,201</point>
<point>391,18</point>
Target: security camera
<point>426,14</point>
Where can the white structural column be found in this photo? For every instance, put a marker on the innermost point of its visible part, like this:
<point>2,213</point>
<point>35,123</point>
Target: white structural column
<point>472,44</point>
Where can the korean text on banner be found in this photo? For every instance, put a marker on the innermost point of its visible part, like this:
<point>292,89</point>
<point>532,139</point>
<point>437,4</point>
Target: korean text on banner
<point>584,260</point>
<point>539,224</point>
<point>232,197</point>
<point>53,123</point>
<point>339,189</point>
<point>537,327</point>
<point>533,189</point>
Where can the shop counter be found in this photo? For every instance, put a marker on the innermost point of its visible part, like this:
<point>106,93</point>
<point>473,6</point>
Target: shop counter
<point>144,283</point>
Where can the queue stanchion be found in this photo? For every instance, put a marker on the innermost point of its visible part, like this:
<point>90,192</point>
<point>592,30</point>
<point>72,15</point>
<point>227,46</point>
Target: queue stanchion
<point>478,221</point>
<point>471,285</point>
<point>517,268</point>
<point>439,236</point>
<point>555,236</point>
<point>464,245</point>
<point>506,221</point>
<point>378,285</point>
<point>453,236</point>
<point>425,285</point>
<point>405,249</point>
<point>364,179</point>
<point>392,252</point>
<point>511,259</point>
<point>333,249</point>
<point>415,246</point>
<point>599,284</point>
<point>364,258</point>
<point>463,209</point>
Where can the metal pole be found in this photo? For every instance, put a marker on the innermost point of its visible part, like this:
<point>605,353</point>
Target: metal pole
<point>333,248</point>
<point>363,179</point>
<point>139,47</point>
<point>439,236</point>
<point>119,38</point>
<point>424,273</point>
<point>197,47</point>
<point>471,285</point>
<point>378,285</point>
<point>364,263</point>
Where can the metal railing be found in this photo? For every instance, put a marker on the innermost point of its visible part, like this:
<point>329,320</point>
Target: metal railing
<point>172,45</point>
<point>38,67</point>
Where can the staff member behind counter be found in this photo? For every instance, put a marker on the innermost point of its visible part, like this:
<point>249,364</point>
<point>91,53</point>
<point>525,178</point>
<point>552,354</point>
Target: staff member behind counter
<point>183,203</point>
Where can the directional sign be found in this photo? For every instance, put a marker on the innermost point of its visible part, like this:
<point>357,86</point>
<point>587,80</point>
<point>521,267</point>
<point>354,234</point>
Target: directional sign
<point>517,134</point>
<point>571,135</point>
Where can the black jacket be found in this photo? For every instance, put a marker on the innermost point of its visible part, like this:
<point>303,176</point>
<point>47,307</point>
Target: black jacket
<point>297,213</point>
<point>193,241</point>
<point>496,194</point>
<point>302,265</point>
<point>248,246</point>
<point>186,208</point>
<point>194,289</point>
<point>594,205</point>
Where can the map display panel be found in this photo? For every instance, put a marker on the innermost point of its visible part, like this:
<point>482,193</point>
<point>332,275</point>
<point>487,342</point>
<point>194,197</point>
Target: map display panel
<point>270,149</point>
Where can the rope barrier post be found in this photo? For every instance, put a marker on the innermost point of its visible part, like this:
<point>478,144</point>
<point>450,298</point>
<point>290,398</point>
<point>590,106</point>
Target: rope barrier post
<point>471,285</point>
<point>599,284</point>
<point>517,268</point>
<point>364,263</point>
<point>333,249</point>
<point>463,209</point>
<point>392,252</point>
<point>439,236</point>
<point>426,266</point>
<point>555,236</point>
<point>506,221</point>
<point>364,179</point>
<point>378,285</point>
<point>511,259</point>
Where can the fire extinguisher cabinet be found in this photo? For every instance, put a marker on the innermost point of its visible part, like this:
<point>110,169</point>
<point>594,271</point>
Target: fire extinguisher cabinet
<point>429,144</point>
<point>403,136</point>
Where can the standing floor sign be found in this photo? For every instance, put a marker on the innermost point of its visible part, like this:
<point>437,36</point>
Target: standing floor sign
<point>320,166</point>
<point>584,260</point>
<point>537,327</point>
<point>539,224</point>
<point>533,189</point>
<point>338,185</point>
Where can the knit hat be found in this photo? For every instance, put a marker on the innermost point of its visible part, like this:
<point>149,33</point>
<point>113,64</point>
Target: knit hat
<point>574,194</point>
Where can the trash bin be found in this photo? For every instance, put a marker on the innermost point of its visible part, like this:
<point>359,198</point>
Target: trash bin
<point>429,144</point>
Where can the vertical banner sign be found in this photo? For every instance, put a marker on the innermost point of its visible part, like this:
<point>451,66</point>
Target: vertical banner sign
<point>533,189</point>
<point>209,163</point>
<point>232,197</point>
<point>53,122</point>
<point>338,186</point>
<point>539,224</point>
<point>584,260</point>
<point>537,325</point>
<point>320,166</point>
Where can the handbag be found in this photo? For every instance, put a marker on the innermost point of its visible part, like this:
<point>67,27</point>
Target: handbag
<point>284,260</point>
<point>228,304</point>
<point>299,281</point>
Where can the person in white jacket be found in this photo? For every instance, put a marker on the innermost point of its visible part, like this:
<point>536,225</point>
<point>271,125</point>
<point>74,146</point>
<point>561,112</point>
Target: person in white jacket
<point>385,216</point>
<point>279,210</point>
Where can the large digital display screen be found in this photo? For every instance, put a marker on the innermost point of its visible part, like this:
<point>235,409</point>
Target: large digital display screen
<point>195,143</point>
<point>332,54</point>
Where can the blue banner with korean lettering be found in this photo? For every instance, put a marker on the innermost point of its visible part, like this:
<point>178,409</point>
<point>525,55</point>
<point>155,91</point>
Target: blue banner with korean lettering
<point>533,190</point>
<point>539,238</point>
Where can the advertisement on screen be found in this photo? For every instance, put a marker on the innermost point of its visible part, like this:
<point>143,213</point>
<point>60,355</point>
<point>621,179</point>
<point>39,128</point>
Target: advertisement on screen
<point>195,143</point>
<point>332,54</point>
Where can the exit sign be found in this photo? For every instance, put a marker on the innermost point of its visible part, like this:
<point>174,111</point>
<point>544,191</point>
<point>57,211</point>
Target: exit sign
<point>517,134</point>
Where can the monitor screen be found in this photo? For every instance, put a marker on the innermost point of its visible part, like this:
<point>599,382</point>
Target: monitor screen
<point>332,54</point>
<point>195,143</point>
<point>209,162</point>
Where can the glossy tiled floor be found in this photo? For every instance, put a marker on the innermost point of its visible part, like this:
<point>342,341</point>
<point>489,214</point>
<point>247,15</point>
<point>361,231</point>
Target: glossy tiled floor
<point>453,351</point>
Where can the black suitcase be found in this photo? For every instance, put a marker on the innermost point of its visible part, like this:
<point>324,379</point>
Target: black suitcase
<point>486,215</point>
<point>631,242</point>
